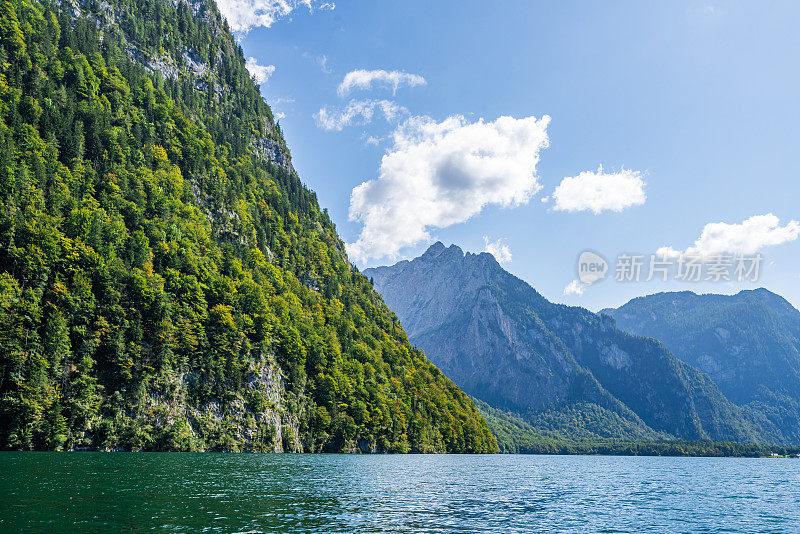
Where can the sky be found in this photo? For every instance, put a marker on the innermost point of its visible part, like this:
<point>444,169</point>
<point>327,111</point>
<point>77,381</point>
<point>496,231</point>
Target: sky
<point>540,130</point>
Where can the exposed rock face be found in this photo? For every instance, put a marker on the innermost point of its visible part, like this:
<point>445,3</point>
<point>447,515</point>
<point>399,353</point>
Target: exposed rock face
<point>273,152</point>
<point>504,343</point>
<point>748,343</point>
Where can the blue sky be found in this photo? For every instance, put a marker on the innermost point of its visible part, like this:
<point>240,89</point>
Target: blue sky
<point>698,101</point>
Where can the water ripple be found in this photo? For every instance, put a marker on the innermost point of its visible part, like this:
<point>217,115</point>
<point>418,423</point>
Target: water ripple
<point>95,492</point>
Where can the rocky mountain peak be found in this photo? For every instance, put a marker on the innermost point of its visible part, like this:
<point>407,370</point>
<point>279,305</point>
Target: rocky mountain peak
<point>438,251</point>
<point>434,250</point>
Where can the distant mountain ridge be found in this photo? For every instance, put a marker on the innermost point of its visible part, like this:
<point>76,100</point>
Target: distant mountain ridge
<point>748,343</point>
<point>505,344</point>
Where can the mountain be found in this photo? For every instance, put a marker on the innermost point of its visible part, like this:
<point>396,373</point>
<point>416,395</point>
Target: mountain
<point>748,343</point>
<point>166,280</point>
<point>566,370</point>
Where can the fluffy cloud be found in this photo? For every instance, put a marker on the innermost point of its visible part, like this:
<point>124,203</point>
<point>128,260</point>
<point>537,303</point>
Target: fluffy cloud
<point>322,62</point>
<point>364,79</point>
<point>244,15</point>
<point>748,237</point>
<point>575,288</point>
<point>260,73</point>
<point>357,112</point>
<point>600,191</point>
<point>498,249</point>
<point>441,173</point>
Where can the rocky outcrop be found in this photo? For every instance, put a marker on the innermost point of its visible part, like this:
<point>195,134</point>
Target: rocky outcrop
<point>273,152</point>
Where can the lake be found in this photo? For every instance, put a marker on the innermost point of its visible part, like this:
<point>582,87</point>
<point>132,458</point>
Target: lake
<point>124,492</point>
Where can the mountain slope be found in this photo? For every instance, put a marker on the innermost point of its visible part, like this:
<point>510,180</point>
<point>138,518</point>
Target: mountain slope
<point>748,343</point>
<point>166,281</point>
<point>505,344</point>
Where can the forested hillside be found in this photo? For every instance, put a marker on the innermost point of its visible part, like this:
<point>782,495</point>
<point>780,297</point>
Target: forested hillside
<point>518,434</point>
<point>166,281</point>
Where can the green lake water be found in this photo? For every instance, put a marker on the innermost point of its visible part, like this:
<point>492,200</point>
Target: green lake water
<point>173,492</point>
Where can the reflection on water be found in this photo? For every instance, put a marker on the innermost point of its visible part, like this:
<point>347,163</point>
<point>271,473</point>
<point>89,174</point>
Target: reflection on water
<point>91,492</point>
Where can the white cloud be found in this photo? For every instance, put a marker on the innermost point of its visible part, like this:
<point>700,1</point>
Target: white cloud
<point>260,73</point>
<point>319,61</point>
<point>574,288</point>
<point>498,249</point>
<point>599,191</point>
<point>244,15</point>
<point>371,140</point>
<point>363,79</point>
<point>748,237</point>
<point>279,115</point>
<point>322,61</point>
<point>437,174</point>
<point>357,112</point>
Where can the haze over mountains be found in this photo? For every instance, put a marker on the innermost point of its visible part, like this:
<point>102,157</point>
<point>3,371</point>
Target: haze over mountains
<point>748,343</point>
<point>563,369</point>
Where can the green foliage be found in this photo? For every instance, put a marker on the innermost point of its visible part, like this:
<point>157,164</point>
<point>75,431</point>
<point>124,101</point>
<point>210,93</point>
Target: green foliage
<point>517,434</point>
<point>162,285</point>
